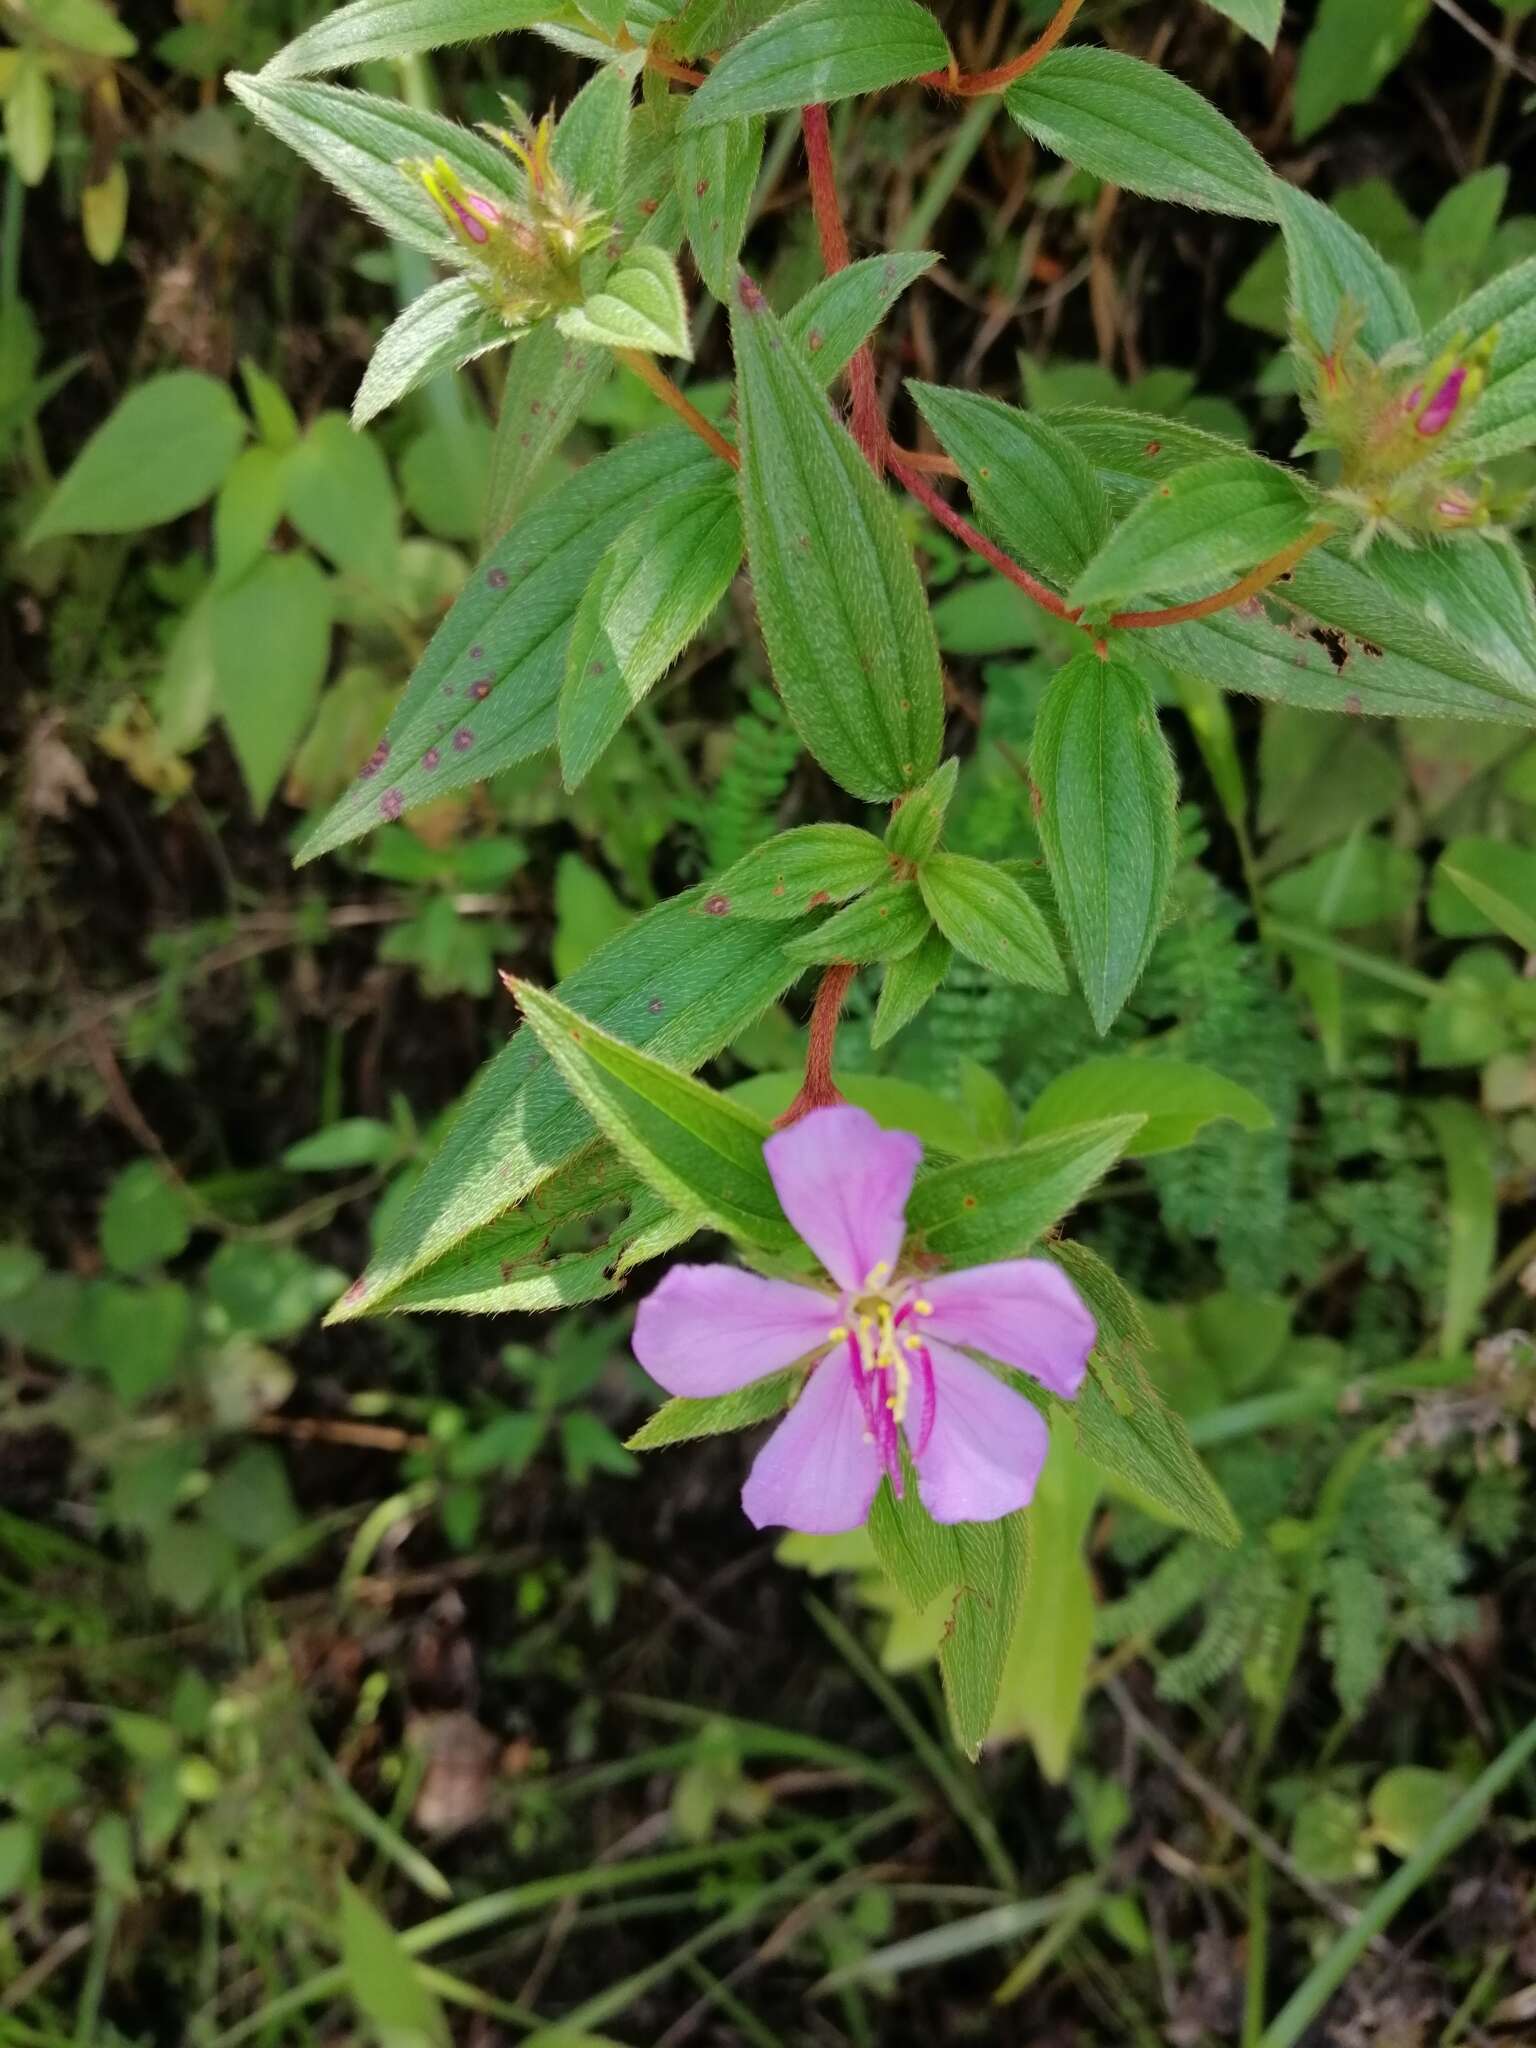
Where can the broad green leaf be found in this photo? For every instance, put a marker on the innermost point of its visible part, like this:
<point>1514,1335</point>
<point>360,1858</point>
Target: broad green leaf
<point>650,594</point>
<point>834,319</point>
<point>986,915</point>
<point>700,1150</point>
<point>1337,276</point>
<point>29,117</point>
<point>679,985</point>
<point>639,305</point>
<point>550,381</point>
<point>883,924</point>
<point>166,448</point>
<point>838,594</point>
<point>908,984</point>
<point>1030,485</point>
<point>1351,47</point>
<point>918,820</point>
<point>447,326</point>
<point>1408,1803</point>
<point>1143,1444</point>
<point>145,1220</point>
<point>1137,126</point>
<point>1261,18</point>
<point>86,25</point>
<point>797,871</point>
<point>1106,818</point>
<point>1496,880</point>
<point>340,497</point>
<point>370,29</point>
<point>1466,1142</point>
<point>384,1981</point>
<point>485,692</point>
<point>1366,881</point>
<point>983,1567</point>
<point>246,514</point>
<point>682,1420</point>
<point>995,1208</point>
<point>1454,248</point>
<point>1045,1673</point>
<point>820,50</point>
<point>271,638</point>
<point>1200,528</point>
<point>1176,1100</point>
<point>358,141</point>
<point>717,171</point>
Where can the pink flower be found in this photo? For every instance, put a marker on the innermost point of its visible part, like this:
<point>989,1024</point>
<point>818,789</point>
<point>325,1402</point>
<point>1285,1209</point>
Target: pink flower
<point>884,1363</point>
<point>1443,406</point>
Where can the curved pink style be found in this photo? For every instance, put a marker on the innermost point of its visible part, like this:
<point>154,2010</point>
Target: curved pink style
<point>887,1350</point>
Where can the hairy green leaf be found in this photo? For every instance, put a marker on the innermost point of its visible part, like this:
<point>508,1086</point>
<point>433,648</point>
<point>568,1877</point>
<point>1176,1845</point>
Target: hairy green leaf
<point>1030,485</point>
<point>908,984</point>
<point>820,50</point>
<point>1136,126</point>
<point>796,871</point>
<point>1142,1443</point>
<point>883,924</point>
<point>1176,1099</point>
<point>996,1207</point>
<point>639,305</point>
<point>700,1150</point>
<point>448,326</point>
<point>1336,275</point>
<point>986,915</point>
<point>717,171</point>
<point>838,593</point>
<point>836,316</point>
<point>1108,793</point>
<point>683,1420</point>
<point>1198,529</point>
<point>370,29</point>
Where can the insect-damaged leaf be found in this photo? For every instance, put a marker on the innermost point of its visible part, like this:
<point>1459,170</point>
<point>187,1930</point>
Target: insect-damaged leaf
<point>485,692</point>
<point>842,607</point>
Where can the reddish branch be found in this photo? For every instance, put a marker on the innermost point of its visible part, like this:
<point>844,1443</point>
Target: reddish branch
<point>869,428</point>
<point>975,84</point>
<point>819,1090</point>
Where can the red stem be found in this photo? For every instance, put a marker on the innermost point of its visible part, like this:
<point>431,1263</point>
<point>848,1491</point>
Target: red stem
<point>819,1090</point>
<point>962,530</point>
<point>974,84</point>
<point>869,428</point>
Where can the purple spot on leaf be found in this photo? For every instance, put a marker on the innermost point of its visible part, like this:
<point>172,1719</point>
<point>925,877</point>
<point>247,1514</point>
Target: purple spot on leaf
<point>497,578</point>
<point>391,804</point>
<point>431,758</point>
<point>480,688</point>
<point>463,740</point>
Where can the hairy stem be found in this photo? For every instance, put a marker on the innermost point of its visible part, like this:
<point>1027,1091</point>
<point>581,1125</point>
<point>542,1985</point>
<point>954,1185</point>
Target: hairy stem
<point>819,1090</point>
<point>973,84</point>
<point>869,428</point>
<point>920,488</point>
<point>650,372</point>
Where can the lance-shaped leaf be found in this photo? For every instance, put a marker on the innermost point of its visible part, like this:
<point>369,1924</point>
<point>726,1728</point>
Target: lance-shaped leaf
<point>1140,127</point>
<point>591,145</point>
<point>1496,880</point>
<point>1106,819</point>
<point>1131,451</point>
<point>1261,18</point>
<point>1200,528</point>
<point>1028,482</point>
<point>447,326</point>
<point>1335,273</point>
<point>639,305</point>
<point>908,984</point>
<point>820,50</point>
<point>1177,1099</point>
<point>983,1567</point>
<point>886,922</point>
<point>699,1150</point>
<point>836,316</point>
<point>485,692</point>
<point>1127,1429</point>
<point>678,985</point>
<point>549,383</point>
<point>370,29</point>
<point>917,822</point>
<point>985,915</point>
<point>1466,1141</point>
<point>798,871</point>
<point>716,176</point>
<point>650,594</point>
<point>995,1208</point>
<point>683,1419</point>
<point>358,142</point>
<point>842,608</point>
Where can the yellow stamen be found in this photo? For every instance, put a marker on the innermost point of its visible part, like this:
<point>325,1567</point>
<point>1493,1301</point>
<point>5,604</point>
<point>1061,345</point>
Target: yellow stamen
<point>837,1333</point>
<point>922,1308</point>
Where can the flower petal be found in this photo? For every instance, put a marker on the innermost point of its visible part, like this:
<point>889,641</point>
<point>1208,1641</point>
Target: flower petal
<point>1023,1312</point>
<point>711,1329</point>
<point>844,1184</point>
<point>986,1448</point>
<point>819,1470</point>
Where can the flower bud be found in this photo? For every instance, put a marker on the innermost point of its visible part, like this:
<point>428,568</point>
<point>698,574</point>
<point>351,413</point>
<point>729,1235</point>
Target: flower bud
<point>472,216</point>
